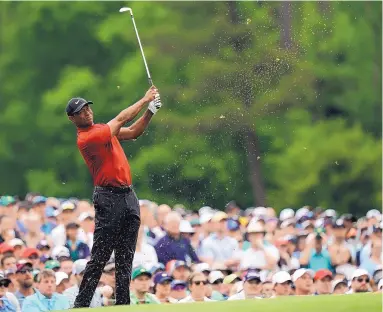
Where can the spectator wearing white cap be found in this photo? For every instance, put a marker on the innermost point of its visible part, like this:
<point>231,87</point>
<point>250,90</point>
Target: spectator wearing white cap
<point>72,292</point>
<point>252,287</point>
<point>339,287</point>
<point>86,221</point>
<point>360,282</point>
<point>261,254</point>
<point>373,217</point>
<point>62,282</point>
<point>282,283</point>
<point>286,214</point>
<point>303,281</point>
<point>145,254</point>
<point>215,282</point>
<point>219,247</point>
<point>18,247</point>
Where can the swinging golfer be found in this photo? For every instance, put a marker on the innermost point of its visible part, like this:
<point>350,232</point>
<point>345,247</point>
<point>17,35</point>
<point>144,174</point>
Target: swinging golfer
<point>115,202</point>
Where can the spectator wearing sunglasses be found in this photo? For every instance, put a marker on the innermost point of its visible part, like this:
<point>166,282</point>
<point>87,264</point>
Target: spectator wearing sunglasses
<point>24,278</point>
<point>252,287</point>
<point>197,286</point>
<point>8,301</point>
<point>360,282</point>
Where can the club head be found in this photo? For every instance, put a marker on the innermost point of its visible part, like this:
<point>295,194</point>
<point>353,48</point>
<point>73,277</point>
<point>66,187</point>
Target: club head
<point>122,10</point>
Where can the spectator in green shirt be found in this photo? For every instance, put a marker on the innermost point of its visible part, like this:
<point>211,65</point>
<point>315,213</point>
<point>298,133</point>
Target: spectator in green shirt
<point>141,280</point>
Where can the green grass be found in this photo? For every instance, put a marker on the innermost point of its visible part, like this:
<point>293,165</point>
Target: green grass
<point>344,303</point>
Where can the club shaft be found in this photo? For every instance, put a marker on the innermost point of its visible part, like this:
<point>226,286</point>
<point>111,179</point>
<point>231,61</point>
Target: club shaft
<point>142,50</point>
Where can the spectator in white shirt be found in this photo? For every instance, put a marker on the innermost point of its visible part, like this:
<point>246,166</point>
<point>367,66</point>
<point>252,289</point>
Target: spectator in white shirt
<point>252,287</point>
<point>282,283</point>
<point>197,286</point>
<point>303,280</point>
<point>261,255</point>
<point>145,254</point>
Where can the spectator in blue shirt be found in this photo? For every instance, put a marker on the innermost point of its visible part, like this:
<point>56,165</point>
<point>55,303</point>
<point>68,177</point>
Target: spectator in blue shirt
<point>78,249</point>
<point>5,304</point>
<point>315,257</point>
<point>172,246</point>
<point>46,299</point>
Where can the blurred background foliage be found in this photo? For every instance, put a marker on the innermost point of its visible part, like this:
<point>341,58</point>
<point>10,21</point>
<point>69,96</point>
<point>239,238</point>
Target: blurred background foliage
<point>267,103</point>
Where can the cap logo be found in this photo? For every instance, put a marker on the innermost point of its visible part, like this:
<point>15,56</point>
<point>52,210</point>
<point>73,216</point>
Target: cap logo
<point>77,101</point>
<point>163,274</point>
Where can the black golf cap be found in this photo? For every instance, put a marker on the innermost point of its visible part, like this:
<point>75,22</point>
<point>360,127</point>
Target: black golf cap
<point>75,105</point>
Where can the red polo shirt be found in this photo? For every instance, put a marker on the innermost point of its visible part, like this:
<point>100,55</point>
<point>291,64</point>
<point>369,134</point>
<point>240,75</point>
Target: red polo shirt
<point>104,156</point>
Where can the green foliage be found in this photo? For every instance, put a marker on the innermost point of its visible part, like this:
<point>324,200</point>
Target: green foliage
<point>314,101</point>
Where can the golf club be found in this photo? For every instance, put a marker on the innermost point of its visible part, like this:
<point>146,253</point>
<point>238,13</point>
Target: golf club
<point>125,9</point>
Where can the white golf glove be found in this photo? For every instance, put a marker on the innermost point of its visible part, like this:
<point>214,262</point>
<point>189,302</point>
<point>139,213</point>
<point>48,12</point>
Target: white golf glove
<point>155,105</point>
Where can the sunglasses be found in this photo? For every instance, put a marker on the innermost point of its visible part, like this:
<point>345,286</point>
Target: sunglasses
<point>25,271</point>
<point>361,280</point>
<point>198,283</point>
<point>4,283</point>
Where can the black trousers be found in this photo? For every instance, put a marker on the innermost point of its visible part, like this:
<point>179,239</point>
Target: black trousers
<point>117,222</point>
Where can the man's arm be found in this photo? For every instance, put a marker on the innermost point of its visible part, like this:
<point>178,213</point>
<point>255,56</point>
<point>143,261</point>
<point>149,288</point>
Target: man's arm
<point>131,112</point>
<point>135,130</point>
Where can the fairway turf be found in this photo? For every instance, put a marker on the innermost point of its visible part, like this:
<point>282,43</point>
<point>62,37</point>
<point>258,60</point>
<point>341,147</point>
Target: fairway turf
<point>333,303</point>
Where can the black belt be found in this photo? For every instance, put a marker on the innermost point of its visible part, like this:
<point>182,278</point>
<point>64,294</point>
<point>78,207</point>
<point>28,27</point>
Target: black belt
<point>114,189</point>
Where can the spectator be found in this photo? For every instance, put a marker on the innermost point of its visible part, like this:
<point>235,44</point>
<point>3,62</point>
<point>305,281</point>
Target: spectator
<point>180,271</point>
<point>145,254</point>
<point>45,250</point>
<point>24,280</point>
<point>303,280</point>
<point>18,247</point>
<point>8,262</point>
<point>172,246</point>
<point>267,289</point>
<point>72,292</point>
<point>53,265</point>
<point>77,248</point>
<point>282,283</point>
<point>66,265</point>
<point>178,291</point>
<point>218,247</point>
<point>374,261</point>
<point>197,287</point>
<point>33,226</point>
<point>141,279</point>
<point>32,254</point>
<point>162,289</point>
<point>50,220</point>
<point>216,286</point>
<point>286,261</point>
<point>261,255</point>
<point>46,299</point>
<point>87,226</point>
<point>339,287</point>
<point>315,256</point>
<point>340,251</point>
<point>62,282</point>
<point>4,293</point>
<point>252,287</point>
<point>109,279</point>
<point>360,282</point>
<point>323,279</point>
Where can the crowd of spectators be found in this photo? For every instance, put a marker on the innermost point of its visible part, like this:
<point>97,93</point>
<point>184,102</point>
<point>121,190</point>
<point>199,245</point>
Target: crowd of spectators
<point>186,256</point>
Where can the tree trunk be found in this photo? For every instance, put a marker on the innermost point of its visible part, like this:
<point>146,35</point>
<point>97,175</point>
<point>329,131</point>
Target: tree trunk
<point>285,17</point>
<point>250,138</point>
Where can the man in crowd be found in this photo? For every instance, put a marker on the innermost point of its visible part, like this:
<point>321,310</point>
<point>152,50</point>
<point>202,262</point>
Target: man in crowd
<point>162,286</point>
<point>178,291</point>
<point>360,282</point>
<point>46,299</point>
<point>141,280</point>
<point>303,280</point>
<point>172,246</point>
<point>252,287</point>
<point>323,279</point>
<point>24,280</point>
<point>282,283</point>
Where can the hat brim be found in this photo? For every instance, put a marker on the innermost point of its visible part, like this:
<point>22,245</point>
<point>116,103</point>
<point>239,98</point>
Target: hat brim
<point>148,274</point>
<point>165,279</point>
<point>80,107</point>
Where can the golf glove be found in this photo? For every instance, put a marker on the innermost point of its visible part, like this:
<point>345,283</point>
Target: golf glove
<point>155,105</point>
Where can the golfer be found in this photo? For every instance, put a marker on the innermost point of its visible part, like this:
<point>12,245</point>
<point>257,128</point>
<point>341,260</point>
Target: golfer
<point>115,202</point>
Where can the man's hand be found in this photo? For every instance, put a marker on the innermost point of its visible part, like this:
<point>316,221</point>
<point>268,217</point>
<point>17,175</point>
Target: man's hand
<point>150,94</point>
<point>155,105</point>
